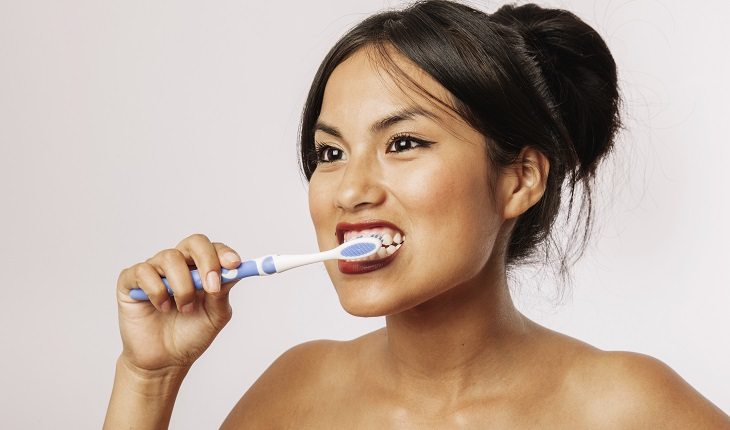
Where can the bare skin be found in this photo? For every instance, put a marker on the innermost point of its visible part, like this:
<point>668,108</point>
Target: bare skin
<point>455,352</point>
<point>571,385</point>
<point>163,337</point>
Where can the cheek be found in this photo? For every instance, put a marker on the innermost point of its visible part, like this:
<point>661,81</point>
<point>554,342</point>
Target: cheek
<point>449,191</point>
<point>452,214</point>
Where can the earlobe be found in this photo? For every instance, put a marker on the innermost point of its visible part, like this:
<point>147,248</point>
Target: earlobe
<point>523,183</point>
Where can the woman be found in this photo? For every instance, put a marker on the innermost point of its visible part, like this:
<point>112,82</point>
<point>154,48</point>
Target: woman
<point>451,132</point>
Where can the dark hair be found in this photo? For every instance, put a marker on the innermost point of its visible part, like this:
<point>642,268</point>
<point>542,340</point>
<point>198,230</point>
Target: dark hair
<point>522,76</point>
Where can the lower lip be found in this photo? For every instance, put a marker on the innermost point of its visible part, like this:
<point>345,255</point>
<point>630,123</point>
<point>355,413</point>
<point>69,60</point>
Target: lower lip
<point>358,267</point>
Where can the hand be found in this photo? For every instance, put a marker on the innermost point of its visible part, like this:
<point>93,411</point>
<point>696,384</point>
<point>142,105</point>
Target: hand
<point>166,334</point>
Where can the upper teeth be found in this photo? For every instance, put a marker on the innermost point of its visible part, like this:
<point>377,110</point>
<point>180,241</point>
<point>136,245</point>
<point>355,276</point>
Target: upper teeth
<point>388,235</point>
<point>391,239</point>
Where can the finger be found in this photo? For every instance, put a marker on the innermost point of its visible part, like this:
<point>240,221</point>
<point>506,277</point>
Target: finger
<point>228,258</point>
<point>150,282</point>
<point>218,308</point>
<point>145,277</point>
<point>171,263</point>
<point>205,257</point>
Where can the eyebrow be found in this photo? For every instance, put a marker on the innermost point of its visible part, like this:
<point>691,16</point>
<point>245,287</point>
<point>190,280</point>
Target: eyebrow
<point>381,124</point>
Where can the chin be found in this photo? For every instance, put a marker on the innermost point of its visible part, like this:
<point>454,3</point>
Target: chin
<point>373,299</point>
<point>365,301</point>
<point>393,289</point>
<point>363,311</point>
<point>372,293</point>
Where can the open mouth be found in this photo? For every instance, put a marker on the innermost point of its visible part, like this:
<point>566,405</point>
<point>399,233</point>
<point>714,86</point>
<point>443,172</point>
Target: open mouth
<point>393,239</point>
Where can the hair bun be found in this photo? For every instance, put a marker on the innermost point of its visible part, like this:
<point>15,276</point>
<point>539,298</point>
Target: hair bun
<point>580,74</point>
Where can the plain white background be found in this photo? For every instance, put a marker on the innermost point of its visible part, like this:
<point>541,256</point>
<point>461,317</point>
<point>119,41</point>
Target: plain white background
<point>126,126</point>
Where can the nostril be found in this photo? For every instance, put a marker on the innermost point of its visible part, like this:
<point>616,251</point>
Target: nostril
<point>358,191</point>
<point>354,204</point>
<point>362,204</point>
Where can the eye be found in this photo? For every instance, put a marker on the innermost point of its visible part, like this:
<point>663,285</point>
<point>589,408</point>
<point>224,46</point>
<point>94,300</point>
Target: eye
<point>328,154</point>
<point>406,142</point>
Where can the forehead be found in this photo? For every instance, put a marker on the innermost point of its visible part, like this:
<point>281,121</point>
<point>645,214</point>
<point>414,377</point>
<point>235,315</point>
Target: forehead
<point>364,87</point>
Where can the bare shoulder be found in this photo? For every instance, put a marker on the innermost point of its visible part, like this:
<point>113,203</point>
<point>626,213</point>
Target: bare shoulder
<point>284,392</point>
<point>630,390</point>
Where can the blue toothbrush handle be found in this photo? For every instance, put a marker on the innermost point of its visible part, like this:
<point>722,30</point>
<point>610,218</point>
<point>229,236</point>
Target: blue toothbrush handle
<point>244,270</point>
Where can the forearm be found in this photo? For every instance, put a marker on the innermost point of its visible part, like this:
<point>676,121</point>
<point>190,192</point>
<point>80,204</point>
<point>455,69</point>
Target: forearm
<point>142,401</point>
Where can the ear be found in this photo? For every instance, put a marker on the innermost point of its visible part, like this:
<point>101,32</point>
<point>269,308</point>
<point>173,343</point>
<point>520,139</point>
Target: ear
<point>523,183</point>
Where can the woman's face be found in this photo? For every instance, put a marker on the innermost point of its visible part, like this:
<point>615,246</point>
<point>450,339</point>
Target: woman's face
<point>410,176</point>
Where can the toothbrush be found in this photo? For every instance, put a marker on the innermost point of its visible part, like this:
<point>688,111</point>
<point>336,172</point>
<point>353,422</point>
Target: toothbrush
<point>360,247</point>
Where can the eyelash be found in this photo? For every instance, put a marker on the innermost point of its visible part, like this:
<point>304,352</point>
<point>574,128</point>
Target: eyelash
<point>322,148</point>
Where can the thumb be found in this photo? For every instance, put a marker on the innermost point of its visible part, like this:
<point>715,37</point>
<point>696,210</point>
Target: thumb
<point>218,307</point>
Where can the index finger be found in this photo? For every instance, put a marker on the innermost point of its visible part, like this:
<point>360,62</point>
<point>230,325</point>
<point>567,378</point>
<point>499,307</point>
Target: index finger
<point>198,249</point>
<point>228,257</point>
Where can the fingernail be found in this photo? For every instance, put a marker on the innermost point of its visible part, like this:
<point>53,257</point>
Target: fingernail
<point>186,309</point>
<point>230,257</point>
<point>165,307</point>
<point>213,281</point>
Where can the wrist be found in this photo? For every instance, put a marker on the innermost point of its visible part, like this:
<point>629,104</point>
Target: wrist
<point>153,383</point>
<point>143,399</point>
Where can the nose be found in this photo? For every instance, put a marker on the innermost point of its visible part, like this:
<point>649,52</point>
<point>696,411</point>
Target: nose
<point>360,186</point>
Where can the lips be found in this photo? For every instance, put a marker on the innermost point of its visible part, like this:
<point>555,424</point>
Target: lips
<point>390,233</point>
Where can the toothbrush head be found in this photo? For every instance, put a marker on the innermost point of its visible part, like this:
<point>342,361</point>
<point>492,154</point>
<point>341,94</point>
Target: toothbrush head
<point>359,247</point>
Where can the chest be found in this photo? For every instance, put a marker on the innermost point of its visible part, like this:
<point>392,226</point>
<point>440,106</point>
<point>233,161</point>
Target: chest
<point>342,410</point>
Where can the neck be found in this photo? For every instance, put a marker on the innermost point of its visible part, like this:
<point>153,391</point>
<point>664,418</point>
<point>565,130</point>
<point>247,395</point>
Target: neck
<point>467,334</point>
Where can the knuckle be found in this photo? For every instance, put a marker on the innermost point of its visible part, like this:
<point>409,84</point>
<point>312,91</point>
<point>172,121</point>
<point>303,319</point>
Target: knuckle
<point>198,237</point>
<point>195,238</point>
<point>141,269</point>
<point>223,249</point>
<point>219,245</point>
<point>124,273</point>
<point>170,255</point>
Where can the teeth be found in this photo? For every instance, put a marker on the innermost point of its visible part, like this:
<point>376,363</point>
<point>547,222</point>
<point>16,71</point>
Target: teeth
<point>383,251</point>
<point>391,240</point>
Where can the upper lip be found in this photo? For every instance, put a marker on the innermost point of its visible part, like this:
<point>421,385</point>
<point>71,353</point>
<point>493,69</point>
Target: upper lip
<point>343,227</point>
